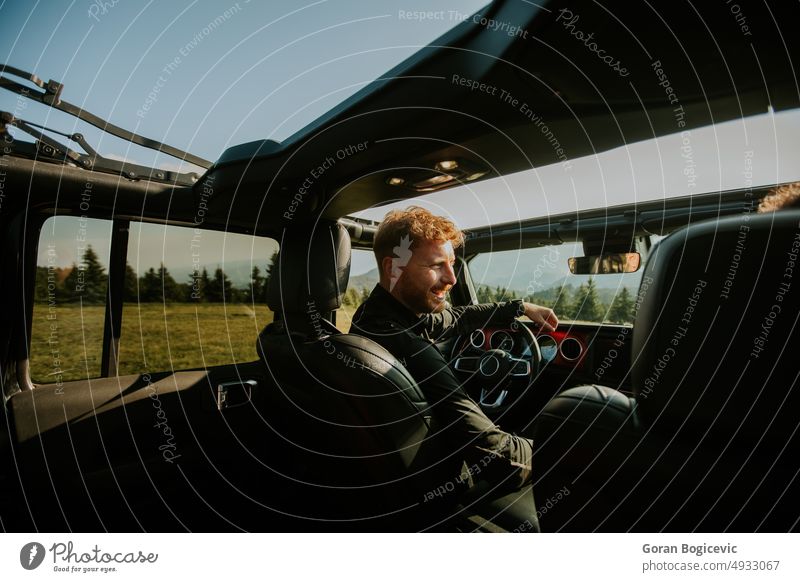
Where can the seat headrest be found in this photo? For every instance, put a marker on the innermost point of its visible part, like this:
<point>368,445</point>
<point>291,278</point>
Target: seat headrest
<point>311,272</point>
<point>715,340</point>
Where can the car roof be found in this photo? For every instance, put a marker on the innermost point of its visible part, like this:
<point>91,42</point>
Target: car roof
<point>668,68</point>
<point>514,87</point>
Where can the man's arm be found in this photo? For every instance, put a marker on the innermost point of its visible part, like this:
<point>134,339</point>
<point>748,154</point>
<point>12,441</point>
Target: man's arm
<point>491,453</point>
<point>465,318</point>
<point>544,317</point>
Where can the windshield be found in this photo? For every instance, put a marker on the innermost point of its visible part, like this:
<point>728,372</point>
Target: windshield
<point>541,275</point>
<point>205,76</point>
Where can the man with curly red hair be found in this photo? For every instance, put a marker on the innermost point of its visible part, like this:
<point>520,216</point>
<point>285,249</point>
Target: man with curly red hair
<point>781,197</point>
<point>407,311</point>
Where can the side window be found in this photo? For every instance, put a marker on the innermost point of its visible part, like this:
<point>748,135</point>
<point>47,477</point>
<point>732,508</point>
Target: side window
<point>69,299</point>
<point>192,298</point>
<point>363,278</point>
<point>541,275</point>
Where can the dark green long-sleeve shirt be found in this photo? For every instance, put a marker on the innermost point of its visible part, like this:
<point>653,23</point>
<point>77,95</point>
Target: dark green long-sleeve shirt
<point>410,338</point>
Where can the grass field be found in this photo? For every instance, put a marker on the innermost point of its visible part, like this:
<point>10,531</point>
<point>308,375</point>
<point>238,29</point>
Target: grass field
<point>155,337</point>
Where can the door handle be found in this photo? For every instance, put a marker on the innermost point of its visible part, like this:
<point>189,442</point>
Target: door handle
<point>233,394</point>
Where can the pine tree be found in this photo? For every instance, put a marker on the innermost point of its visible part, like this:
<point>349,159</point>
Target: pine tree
<point>150,286</point>
<point>130,288</point>
<point>71,281</point>
<point>95,276</point>
<point>270,270</point>
<point>563,303</point>
<point>484,294</point>
<point>185,291</point>
<point>205,283</point>
<point>87,282</point>
<point>587,306</point>
<point>194,287</point>
<point>255,291</point>
<point>225,284</point>
<point>622,307</point>
<point>50,284</point>
<point>219,289</point>
<point>169,290</point>
<point>41,291</point>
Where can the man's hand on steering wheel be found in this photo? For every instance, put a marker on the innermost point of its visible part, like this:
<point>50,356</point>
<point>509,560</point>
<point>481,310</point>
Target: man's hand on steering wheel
<point>544,317</point>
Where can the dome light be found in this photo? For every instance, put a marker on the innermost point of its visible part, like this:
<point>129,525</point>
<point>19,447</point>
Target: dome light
<point>447,165</point>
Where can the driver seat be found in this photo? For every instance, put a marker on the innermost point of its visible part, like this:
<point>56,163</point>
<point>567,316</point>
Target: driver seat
<point>359,442</point>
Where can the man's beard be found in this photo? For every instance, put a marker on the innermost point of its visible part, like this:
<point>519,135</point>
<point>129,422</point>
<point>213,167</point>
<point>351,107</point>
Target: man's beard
<point>424,301</point>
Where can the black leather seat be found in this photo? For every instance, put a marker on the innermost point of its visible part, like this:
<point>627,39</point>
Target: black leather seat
<point>358,438</point>
<point>709,442</point>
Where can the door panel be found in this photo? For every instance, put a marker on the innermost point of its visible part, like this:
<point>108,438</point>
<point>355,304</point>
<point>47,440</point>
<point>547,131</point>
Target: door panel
<point>144,452</point>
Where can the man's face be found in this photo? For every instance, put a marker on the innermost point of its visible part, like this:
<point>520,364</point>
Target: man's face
<point>428,276</point>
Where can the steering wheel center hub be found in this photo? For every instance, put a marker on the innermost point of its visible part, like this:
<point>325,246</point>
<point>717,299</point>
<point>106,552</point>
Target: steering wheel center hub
<point>495,363</point>
<point>496,373</point>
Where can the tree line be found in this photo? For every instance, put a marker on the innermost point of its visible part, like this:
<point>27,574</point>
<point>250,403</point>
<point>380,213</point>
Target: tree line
<point>583,303</point>
<point>569,303</point>
<point>88,282</point>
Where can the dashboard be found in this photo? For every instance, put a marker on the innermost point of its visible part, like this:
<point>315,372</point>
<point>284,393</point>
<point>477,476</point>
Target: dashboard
<point>574,354</point>
<point>561,347</point>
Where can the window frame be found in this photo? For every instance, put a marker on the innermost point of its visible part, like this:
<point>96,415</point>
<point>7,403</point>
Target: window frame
<point>114,304</point>
<point>643,244</point>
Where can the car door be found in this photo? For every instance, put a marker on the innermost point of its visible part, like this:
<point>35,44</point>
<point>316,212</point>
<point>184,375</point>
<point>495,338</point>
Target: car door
<point>139,401</point>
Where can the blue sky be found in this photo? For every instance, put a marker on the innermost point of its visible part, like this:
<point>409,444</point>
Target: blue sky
<point>225,72</point>
<point>203,76</point>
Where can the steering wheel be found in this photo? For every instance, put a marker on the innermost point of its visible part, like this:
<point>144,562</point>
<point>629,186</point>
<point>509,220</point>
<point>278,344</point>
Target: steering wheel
<point>496,363</point>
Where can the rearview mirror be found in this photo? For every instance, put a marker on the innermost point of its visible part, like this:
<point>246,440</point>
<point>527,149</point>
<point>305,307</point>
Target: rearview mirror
<point>605,264</point>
